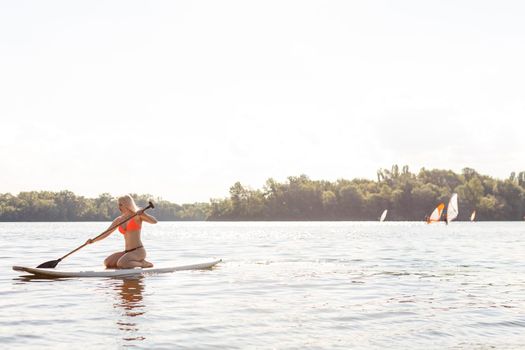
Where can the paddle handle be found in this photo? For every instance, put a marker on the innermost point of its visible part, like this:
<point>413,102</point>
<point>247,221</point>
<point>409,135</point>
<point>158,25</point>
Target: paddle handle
<point>150,205</point>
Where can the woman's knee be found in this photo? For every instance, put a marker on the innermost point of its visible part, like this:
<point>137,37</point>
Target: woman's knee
<point>111,261</point>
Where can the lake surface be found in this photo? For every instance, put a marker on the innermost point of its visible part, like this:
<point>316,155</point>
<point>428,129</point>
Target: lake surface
<point>293,285</point>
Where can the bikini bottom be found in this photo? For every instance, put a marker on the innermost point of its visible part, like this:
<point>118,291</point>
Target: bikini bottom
<point>130,250</point>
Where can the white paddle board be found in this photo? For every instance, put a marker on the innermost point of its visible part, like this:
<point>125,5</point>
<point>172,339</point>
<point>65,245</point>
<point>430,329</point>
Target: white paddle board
<point>113,272</point>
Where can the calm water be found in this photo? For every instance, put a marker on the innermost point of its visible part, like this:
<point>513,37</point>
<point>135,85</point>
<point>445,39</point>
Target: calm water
<point>281,285</point>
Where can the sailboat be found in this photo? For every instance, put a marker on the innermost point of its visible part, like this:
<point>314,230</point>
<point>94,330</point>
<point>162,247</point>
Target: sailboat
<point>436,214</point>
<point>383,216</point>
<point>473,216</point>
<point>452,208</point>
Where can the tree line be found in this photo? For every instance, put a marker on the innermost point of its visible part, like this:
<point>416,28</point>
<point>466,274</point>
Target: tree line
<point>406,195</point>
<point>66,206</point>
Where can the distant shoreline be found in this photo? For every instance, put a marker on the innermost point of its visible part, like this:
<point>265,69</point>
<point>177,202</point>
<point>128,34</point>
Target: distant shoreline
<point>269,221</point>
<point>407,196</point>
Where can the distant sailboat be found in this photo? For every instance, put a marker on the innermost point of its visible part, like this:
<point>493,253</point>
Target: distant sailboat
<point>452,208</point>
<point>473,216</point>
<point>436,214</point>
<point>383,216</point>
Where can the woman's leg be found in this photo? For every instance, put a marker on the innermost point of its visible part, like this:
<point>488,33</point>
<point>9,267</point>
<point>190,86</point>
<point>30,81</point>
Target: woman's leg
<point>133,259</point>
<point>111,261</point>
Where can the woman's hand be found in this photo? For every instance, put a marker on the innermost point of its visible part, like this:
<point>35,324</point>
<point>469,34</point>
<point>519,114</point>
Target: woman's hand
<point>140,212</point>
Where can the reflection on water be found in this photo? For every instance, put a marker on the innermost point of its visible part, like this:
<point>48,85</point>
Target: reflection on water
<point>130,302</point>
<point>128,296</point>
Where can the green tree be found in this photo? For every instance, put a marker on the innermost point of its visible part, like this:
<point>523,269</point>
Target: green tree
<point>352,202</point>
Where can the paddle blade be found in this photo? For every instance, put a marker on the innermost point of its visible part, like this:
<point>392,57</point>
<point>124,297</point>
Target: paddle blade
<point>49,264</point>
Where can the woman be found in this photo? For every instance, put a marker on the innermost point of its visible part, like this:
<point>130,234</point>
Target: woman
<point>134,254</point>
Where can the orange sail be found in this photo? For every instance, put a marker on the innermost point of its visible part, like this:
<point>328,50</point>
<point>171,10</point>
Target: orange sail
<point>436,214</point>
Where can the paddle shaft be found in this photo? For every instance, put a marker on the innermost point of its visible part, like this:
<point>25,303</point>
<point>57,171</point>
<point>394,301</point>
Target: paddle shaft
<point>109,229</point>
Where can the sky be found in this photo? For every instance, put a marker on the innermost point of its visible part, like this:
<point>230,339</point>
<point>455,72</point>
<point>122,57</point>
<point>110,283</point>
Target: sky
<point>181,99</point>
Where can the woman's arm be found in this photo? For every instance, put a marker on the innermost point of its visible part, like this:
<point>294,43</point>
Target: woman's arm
<point>106,233</point>
<point>146,217</point>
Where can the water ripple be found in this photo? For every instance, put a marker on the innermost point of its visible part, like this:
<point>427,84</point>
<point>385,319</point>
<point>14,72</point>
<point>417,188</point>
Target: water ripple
<point>282,285</point>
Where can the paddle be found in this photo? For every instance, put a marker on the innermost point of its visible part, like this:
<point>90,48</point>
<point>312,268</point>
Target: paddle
<point>53,263</point>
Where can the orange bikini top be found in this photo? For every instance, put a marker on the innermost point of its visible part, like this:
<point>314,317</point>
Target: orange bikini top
<point>132,225</point>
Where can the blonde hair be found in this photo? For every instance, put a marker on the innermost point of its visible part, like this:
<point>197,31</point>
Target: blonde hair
<point>128,202</point>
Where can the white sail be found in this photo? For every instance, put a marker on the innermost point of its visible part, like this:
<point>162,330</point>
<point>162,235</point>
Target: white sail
<point>436,214</point>
<point>473,216</point>
<point>452,208</point>
<point>383,216</point>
